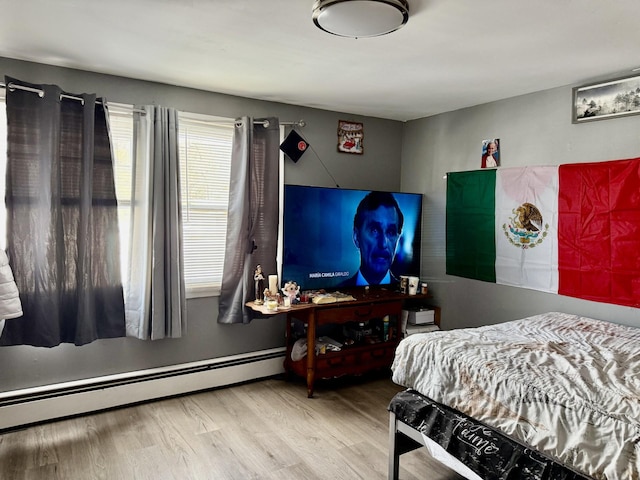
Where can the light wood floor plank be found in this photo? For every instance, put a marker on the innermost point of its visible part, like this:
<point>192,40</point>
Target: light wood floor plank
<point>263,430</point>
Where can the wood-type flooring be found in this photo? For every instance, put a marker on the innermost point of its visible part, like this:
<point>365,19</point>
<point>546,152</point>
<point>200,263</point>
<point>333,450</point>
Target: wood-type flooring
<point>266,429</point>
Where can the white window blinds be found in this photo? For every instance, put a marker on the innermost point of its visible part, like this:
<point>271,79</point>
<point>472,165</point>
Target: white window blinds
<point>205,165</point>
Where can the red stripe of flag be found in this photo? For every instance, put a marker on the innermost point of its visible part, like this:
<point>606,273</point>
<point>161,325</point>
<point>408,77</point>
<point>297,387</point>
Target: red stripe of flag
<point>599,231</point>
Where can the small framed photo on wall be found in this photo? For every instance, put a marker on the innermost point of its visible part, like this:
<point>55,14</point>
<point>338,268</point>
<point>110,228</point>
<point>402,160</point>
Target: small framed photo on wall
<point>350,137</point>
<point>490,153</point>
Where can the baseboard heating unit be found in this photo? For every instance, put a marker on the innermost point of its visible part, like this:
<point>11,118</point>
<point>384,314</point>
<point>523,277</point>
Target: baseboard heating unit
<point>48,402</point>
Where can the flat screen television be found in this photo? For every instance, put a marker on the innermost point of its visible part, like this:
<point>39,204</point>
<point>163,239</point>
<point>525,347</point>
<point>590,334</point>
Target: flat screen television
<point>323,250</point>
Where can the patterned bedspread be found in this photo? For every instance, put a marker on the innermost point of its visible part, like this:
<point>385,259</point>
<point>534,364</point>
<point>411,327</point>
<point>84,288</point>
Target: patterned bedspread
<point>567,385</point>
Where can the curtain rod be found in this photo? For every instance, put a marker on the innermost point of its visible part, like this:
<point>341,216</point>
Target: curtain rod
<point>265,123</point>
<point>299,123</point>
<point>41,93</point>
<point>38,91</point>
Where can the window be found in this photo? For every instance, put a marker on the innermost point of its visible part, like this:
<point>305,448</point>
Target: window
<point>205,163</point>
<point>121,129</point>
<point>205,168</point>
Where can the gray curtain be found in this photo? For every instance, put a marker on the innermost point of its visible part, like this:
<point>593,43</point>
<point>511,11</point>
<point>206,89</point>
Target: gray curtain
<point>62,223</point>
<point>252,224</point>
<point>155,291</point>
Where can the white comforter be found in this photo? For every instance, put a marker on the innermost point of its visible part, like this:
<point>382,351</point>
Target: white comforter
<point>567,385</point>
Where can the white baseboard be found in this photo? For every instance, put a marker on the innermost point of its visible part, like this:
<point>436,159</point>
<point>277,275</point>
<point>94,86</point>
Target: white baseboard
<point>49,402</point>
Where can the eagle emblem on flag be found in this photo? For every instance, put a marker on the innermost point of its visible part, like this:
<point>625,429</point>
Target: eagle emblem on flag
<point>526,228</point>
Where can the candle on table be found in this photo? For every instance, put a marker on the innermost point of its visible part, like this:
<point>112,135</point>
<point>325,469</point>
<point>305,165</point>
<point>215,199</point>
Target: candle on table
<point>273,284</point>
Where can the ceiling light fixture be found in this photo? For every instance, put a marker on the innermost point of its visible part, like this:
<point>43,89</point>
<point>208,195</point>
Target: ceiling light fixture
<point>360,18</point>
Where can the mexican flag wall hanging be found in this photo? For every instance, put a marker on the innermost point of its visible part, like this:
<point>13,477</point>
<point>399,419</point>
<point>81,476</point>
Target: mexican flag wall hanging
<point>572,229</point>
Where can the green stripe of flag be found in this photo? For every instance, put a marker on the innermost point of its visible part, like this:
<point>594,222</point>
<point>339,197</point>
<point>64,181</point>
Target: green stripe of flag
<point>471,248</point>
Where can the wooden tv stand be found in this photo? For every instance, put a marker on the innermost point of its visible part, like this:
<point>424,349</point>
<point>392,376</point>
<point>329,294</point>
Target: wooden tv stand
<point>362,356</point>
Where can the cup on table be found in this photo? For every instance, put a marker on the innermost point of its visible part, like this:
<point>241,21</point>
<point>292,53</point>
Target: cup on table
<point>404,284</point>
<point>272,305</point>
<point>413,285</point>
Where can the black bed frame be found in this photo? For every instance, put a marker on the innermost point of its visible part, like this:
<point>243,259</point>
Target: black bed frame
<point>485,451</point>
<point>402,439</point>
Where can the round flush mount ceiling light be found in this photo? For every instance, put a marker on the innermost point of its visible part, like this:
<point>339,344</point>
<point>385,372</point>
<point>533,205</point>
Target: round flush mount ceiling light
<point>360,18</point>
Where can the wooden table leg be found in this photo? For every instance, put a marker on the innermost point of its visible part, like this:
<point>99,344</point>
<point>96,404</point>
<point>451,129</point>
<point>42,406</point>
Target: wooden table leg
<point>311,352</point>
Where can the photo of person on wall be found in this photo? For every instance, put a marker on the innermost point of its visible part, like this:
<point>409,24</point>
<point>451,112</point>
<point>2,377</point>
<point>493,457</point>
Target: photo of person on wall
<point>490,153</point>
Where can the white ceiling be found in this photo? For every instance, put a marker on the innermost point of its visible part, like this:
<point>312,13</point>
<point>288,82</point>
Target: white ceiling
<point>451,54</point>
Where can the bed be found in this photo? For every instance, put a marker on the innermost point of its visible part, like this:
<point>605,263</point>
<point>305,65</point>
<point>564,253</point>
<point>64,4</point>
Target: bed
<point>552,396</point>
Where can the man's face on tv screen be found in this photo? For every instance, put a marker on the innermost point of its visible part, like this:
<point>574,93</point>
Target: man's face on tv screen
<point>377,239</point>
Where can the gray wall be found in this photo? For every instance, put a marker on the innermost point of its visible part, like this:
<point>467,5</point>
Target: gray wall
<point>377,168</point>
<point>533,129</point>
